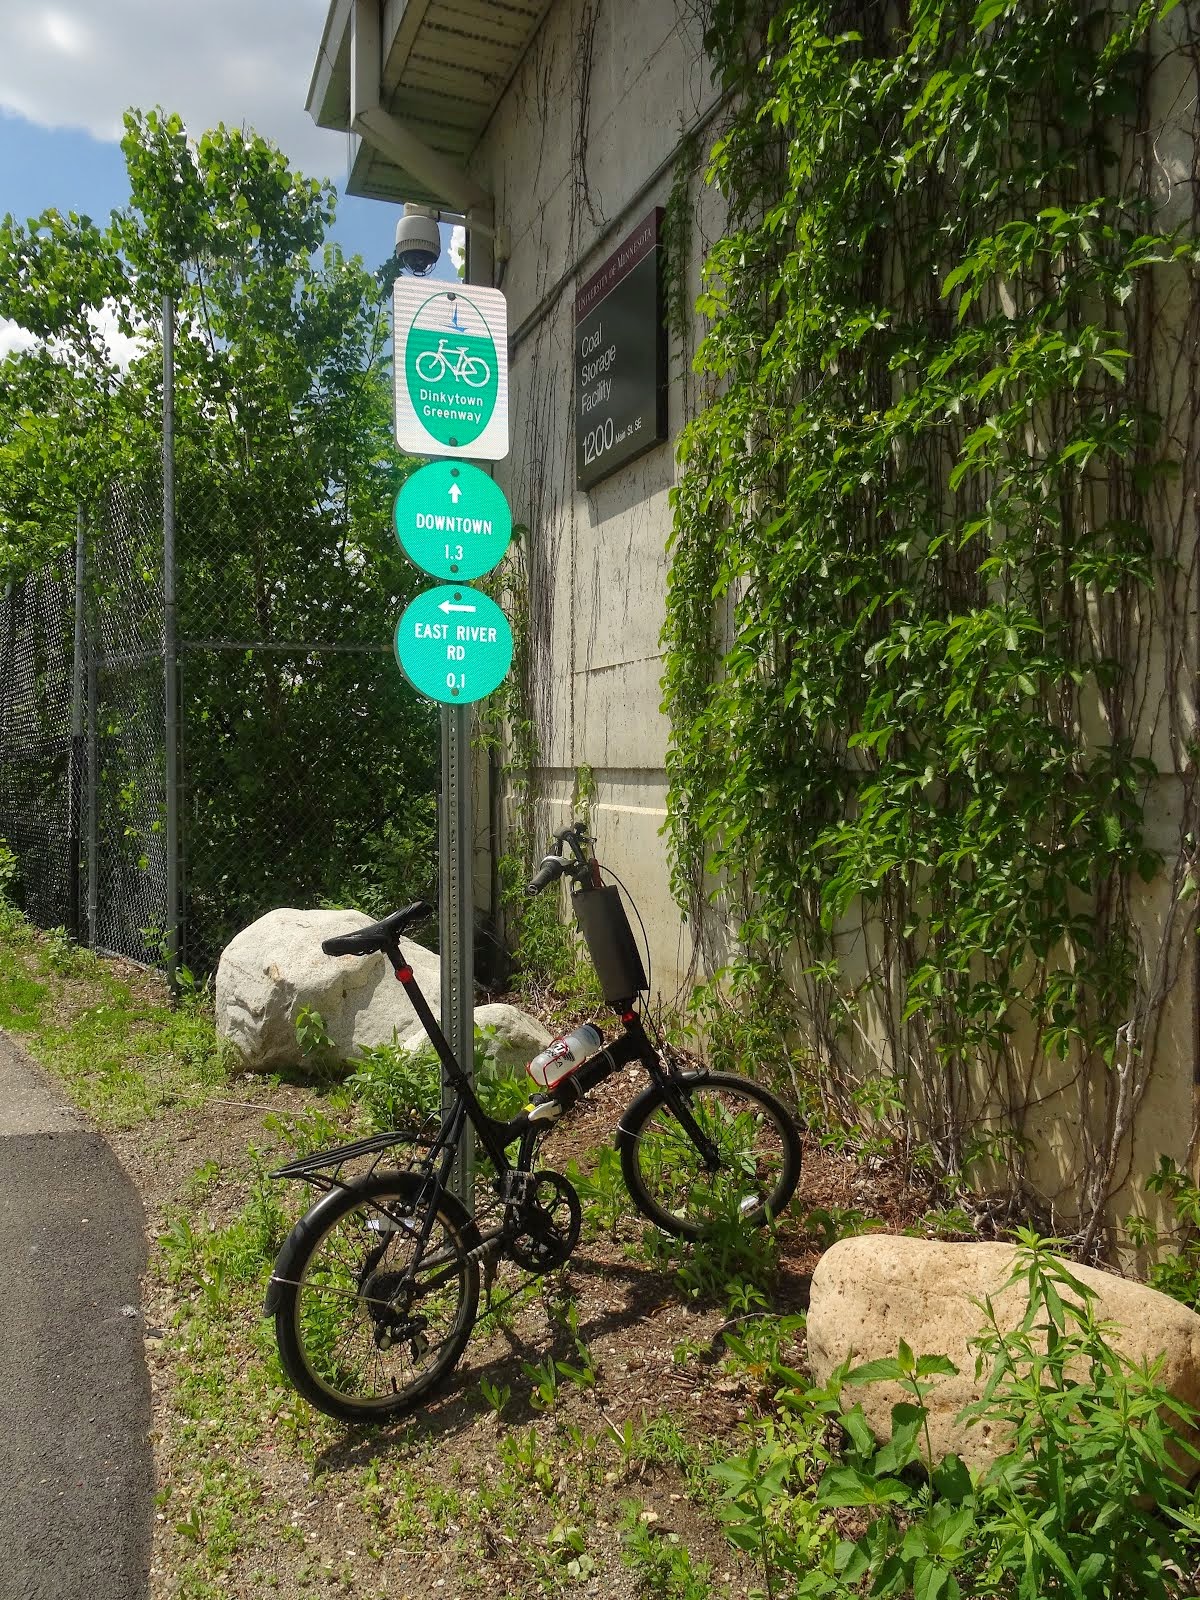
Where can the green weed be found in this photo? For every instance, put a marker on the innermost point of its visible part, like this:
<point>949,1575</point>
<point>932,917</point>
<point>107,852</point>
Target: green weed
<point>568,1550</point>
<point>525,1461</point>
<point>124,1057</point>
<point>1177,1269</point>
<point>497,1395</point>
<point>1087,1501</point>
<point>732,1264</point>
<point>601,1191</point>
<point>312,1035</point>
<point>546,956</point>
<point>661,1565</point>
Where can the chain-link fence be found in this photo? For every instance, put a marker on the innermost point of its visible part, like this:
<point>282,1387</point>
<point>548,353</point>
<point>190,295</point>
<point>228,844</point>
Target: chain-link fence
<point>305,767</point>
<point>127,857</point>
<point>38,780</point>
<point>306,763</point>
<point>303,770</point>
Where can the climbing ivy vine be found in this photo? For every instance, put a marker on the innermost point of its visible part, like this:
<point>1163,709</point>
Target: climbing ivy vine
<point>931,625</point>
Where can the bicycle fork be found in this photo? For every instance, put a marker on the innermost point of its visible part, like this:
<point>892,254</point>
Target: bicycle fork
<point>638,1047</point>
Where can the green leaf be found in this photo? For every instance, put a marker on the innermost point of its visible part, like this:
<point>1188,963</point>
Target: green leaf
<point>951,1479</point>
<point>855,1424</point>
<point>936,1367</point>
<point>851,1486</point>
<point>881,1370</point>
<point>902,1448</point>
<point>930,1579</point>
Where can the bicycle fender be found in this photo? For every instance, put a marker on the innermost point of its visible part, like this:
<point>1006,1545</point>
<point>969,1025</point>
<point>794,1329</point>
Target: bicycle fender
<point>636,1112</point>
<point>313,1221</point>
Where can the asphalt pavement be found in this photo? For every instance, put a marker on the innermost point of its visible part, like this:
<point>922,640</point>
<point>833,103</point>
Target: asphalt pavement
<point>76,1472</point>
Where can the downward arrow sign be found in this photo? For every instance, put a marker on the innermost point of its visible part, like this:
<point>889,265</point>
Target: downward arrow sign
<point>455,493</point>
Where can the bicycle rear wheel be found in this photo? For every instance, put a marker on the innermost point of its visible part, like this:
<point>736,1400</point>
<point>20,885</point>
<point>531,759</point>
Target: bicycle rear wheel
<point>756,1143</point>
<point>361,1336</point>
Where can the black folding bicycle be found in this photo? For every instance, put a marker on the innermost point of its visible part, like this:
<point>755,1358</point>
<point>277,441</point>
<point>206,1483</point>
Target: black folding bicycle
<point>376,1289</point>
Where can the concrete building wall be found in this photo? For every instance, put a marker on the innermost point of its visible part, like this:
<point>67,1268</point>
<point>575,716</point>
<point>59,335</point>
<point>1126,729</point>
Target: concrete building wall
<point>578,152</point>
<point>580,148</point>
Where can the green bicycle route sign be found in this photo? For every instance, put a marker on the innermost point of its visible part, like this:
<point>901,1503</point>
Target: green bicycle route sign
<point>451,366</point>
<point>452,521</point>
<point>454,644</point>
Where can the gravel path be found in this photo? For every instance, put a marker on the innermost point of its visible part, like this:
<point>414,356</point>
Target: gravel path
<point>76,1474</point>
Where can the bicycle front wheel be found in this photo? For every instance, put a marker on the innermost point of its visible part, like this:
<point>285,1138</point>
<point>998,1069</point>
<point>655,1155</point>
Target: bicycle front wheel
<point>746,1176</point>
<point>362,1335</point>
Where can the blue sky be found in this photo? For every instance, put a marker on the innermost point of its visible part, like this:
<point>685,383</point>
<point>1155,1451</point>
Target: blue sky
<point>73,171</point>
<point>69,69</point>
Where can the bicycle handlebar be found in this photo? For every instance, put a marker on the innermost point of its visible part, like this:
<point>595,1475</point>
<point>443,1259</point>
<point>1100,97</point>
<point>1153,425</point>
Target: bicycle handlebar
<point>553,867</point>
<point>550,870</point>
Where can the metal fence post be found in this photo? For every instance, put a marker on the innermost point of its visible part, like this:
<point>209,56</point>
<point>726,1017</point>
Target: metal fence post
<point>76,765</point>
<point>92,746</point>
<point>457,858</point>
<point>170,677</point>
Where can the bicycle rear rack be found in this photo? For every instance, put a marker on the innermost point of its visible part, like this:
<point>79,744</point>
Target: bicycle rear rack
<point>324,1167</point>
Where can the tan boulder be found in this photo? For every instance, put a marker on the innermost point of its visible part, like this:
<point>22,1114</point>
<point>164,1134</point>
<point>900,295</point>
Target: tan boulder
<point>511,1038</point>
<point>871,1292</point>
<point>276,967</point>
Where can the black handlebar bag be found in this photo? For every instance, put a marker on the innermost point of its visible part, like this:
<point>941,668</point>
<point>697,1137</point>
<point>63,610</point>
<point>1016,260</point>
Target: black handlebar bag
<point>611,945</point>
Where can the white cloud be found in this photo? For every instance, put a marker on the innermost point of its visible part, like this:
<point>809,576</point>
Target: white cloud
<point>75,64</point>
<point>121,347</point>
<point>457,250</point>
<point>13,338</point>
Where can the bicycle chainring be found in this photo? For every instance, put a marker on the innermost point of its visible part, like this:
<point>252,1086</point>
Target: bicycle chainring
<point>549,1219</point>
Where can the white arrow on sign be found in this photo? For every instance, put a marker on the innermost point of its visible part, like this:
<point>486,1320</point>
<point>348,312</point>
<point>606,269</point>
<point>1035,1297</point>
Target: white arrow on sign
<point>455,492</point>
<point>448,605</point>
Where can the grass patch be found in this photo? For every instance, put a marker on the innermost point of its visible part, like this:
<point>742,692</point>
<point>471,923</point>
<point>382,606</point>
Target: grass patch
<point>262,1495</point>
<point>123,1050</point>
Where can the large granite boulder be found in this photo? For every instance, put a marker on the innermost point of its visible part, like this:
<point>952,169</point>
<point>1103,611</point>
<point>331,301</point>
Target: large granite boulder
<point>276,966</point>
<point>869,1293</point>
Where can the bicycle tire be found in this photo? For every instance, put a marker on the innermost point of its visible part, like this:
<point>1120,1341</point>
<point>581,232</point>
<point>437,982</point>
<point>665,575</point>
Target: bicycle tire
<point>667,1179</point>
<point>329,1325</point>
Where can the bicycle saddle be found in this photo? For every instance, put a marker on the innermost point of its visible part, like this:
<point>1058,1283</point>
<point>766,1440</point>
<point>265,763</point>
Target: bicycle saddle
<point>377,935</point>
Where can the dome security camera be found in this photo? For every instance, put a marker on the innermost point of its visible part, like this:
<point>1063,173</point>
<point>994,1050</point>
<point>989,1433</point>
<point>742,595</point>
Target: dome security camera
<point>418,243</point>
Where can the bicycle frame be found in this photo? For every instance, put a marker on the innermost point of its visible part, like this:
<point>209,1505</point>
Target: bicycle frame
<point>634,1044</point>
<point>496,1137</point>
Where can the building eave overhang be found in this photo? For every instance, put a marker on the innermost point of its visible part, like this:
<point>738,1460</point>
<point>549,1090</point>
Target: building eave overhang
<point>415,84</point>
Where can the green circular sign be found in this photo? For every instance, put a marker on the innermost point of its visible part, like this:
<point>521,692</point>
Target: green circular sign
<point>454,644</point>
<point>451,368</point>
<point>452,521</point>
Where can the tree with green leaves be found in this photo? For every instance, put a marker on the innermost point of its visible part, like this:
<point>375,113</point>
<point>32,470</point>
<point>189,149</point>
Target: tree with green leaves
<point>294,757</point>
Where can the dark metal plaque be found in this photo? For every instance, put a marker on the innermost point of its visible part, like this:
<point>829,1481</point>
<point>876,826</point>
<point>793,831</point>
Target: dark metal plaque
<point>621,357</point>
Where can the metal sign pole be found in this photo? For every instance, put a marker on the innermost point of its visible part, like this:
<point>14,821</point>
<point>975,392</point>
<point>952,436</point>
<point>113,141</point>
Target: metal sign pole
<point>457,911</point>
<point>454,643</point>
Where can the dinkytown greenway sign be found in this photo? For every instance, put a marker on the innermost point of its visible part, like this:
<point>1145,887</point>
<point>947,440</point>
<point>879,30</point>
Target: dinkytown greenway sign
<point>453,643</point>
<point>451,366</point>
